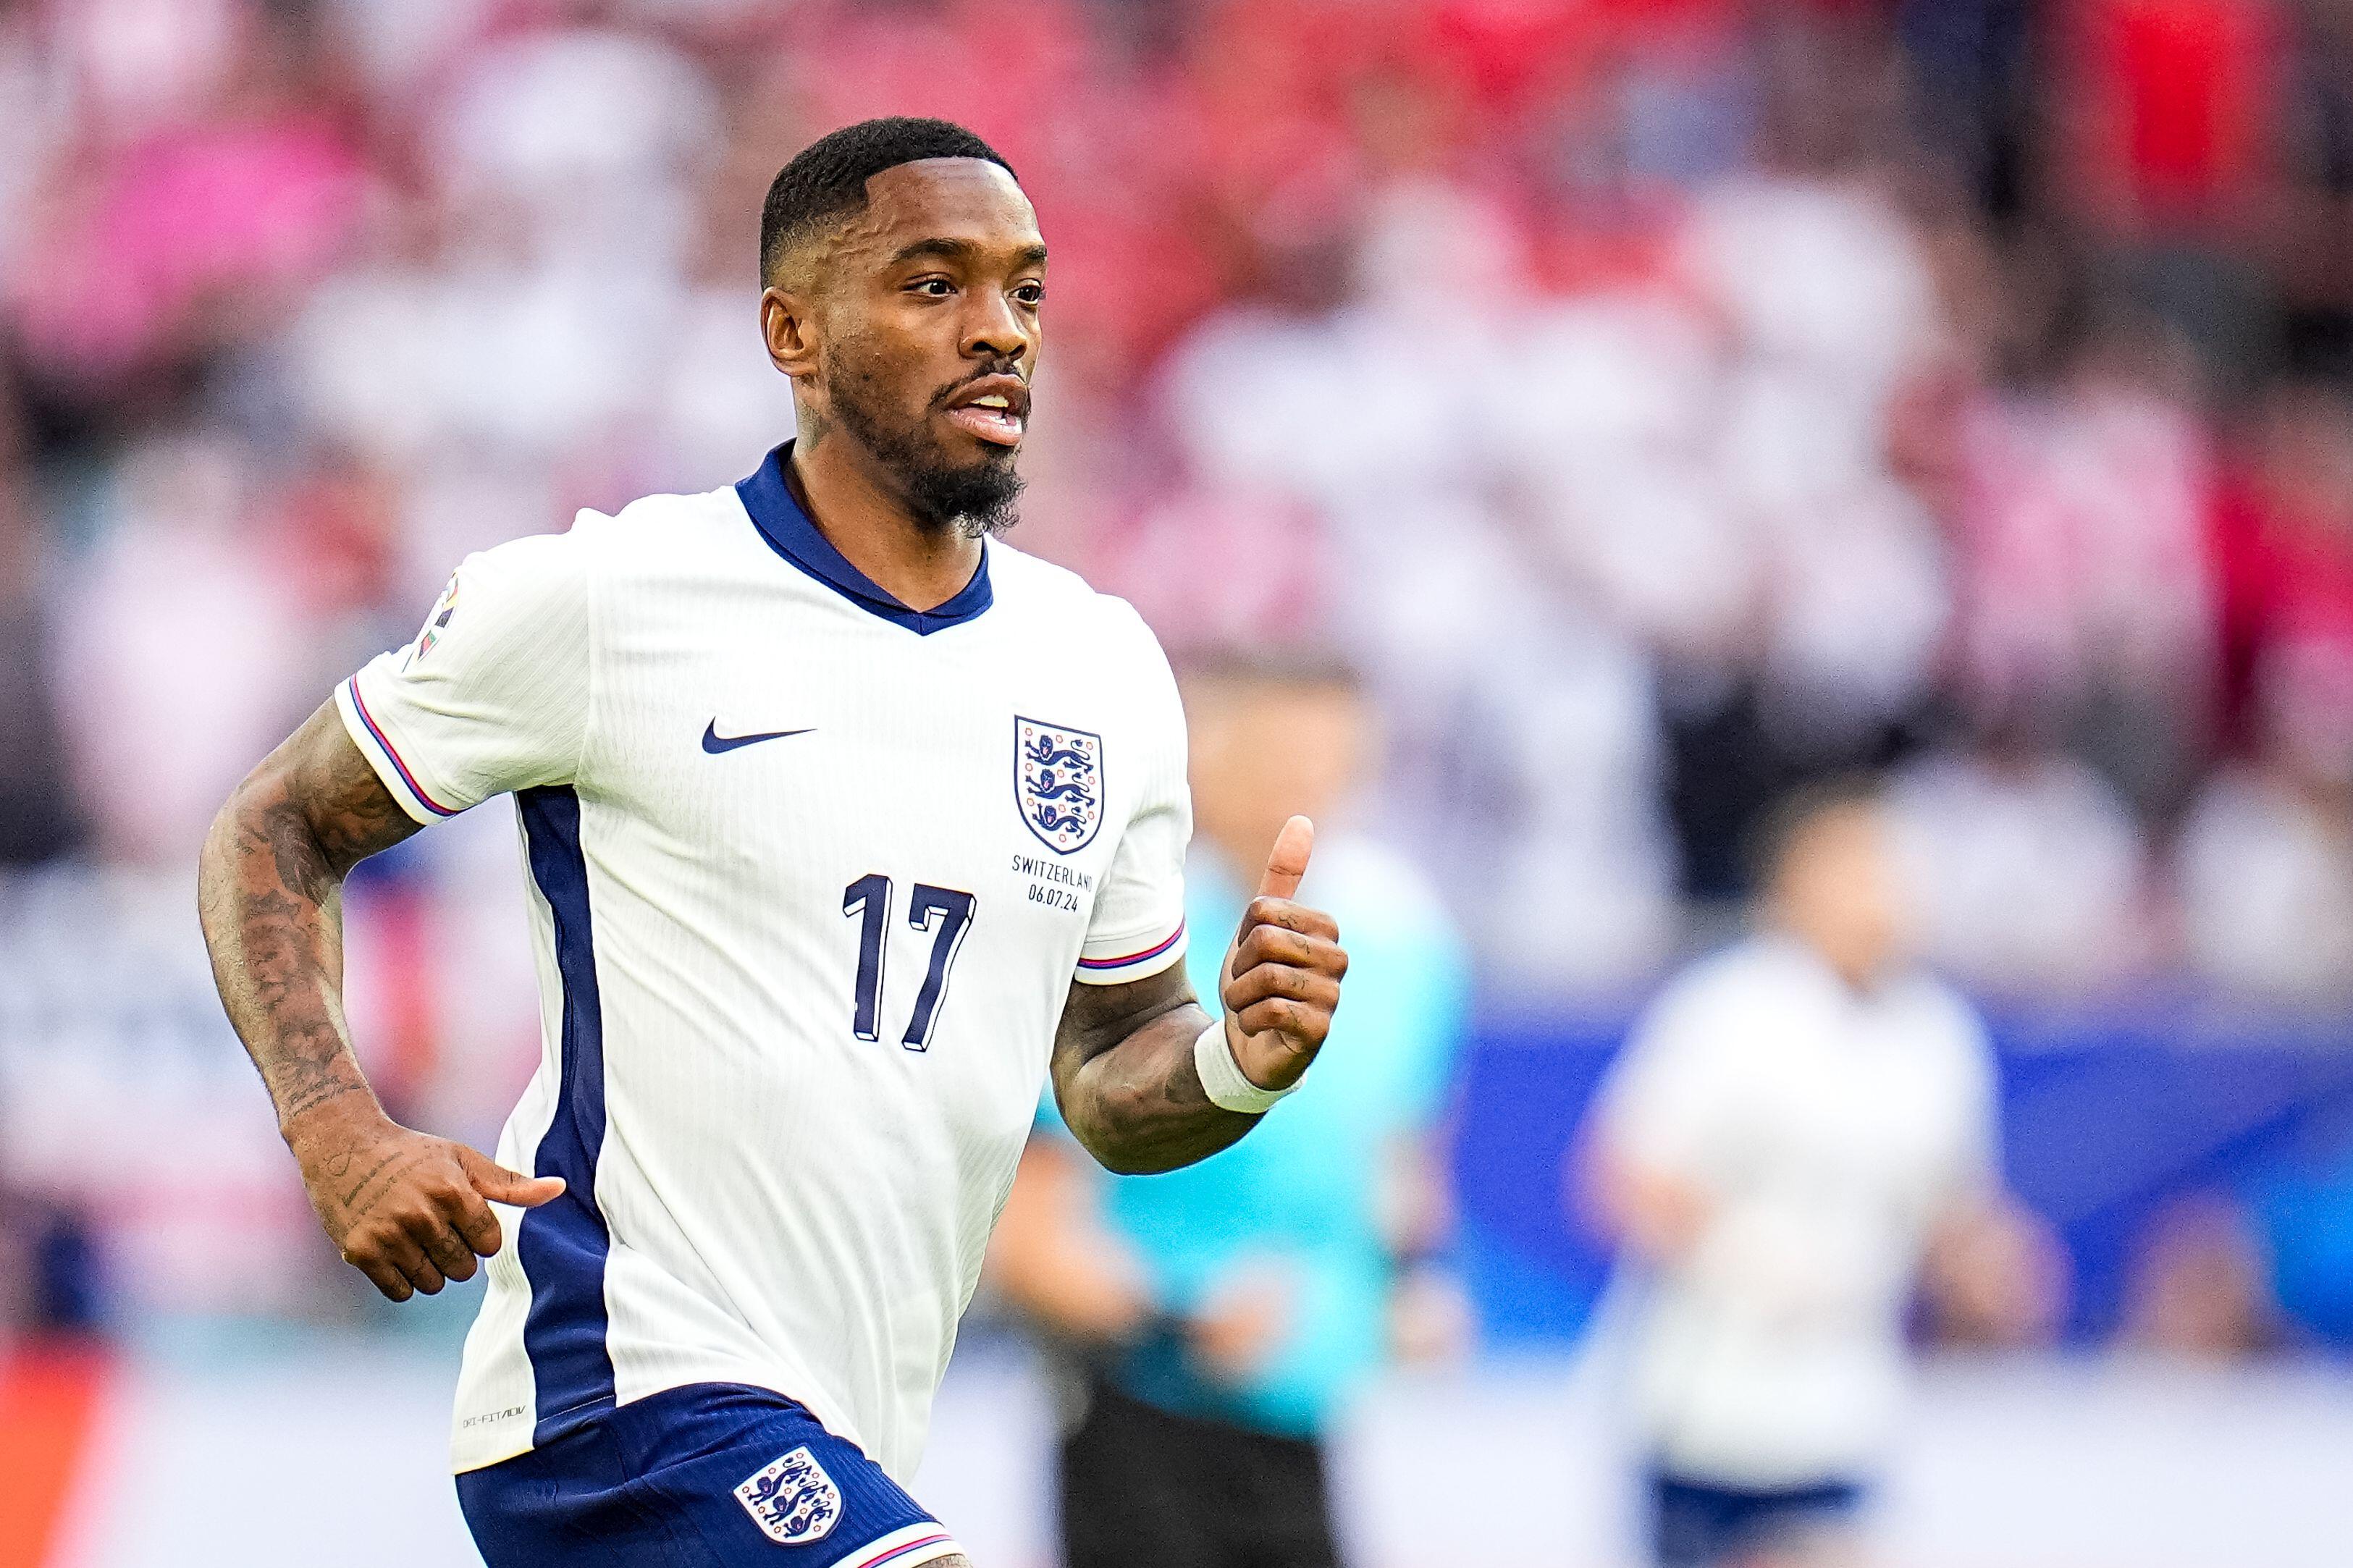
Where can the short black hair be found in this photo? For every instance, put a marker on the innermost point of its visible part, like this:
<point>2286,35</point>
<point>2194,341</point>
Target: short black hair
<point>827,179</point>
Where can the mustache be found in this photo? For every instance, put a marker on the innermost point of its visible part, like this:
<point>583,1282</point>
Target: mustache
<point>941,399</point>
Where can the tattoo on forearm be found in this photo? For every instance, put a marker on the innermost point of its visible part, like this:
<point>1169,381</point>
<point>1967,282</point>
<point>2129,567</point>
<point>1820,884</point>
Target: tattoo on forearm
<point>1123,1075</point>
<point>270,899</point>
<point>354,816</point>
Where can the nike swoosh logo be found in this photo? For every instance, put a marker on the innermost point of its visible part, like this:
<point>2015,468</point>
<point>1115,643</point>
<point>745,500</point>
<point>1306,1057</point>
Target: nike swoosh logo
<point>715,743</point>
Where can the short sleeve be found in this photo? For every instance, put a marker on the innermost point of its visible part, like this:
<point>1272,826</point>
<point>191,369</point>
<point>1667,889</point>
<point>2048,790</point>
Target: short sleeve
<point>1138,926</point>
<point>492,694</point>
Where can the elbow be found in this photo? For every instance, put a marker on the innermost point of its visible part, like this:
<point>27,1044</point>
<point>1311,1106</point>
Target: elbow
<point>239,814</point>
<point>1131,1148</point>
<point>216,877</point>
<point>1106,1147</point>
<point>219,848</point>
<point>259,821</point>
<point>1122,1160</point>
<point>1116,1142</point>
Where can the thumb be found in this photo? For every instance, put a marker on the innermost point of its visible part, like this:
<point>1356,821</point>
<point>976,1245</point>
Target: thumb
<point>1287,861</point>
<point>500,1185</point>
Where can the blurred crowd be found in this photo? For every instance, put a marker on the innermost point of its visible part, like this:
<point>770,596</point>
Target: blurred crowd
<point>1632,413</point>
<point>1663,401</point>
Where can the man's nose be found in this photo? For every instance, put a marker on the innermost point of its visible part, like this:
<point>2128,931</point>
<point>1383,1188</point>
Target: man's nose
<point>994,330</point>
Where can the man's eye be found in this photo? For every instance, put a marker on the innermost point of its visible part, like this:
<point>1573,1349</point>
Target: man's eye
<point>1030,293</point>
<point>937,287</point>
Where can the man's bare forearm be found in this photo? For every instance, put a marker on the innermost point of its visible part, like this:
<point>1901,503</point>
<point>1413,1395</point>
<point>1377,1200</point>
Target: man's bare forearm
<point>1126,1081</point>
<point>270,895</point>
<point>1139,1108</point>
<point>408,1210</point>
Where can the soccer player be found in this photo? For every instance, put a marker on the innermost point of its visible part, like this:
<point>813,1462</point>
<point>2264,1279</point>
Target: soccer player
<point>1802,1129</point>
<point>844,822</point>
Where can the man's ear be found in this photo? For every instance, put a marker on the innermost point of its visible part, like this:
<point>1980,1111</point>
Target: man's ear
<point>786,324</point>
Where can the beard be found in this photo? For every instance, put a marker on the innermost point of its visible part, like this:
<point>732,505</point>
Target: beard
<point>977,500</point>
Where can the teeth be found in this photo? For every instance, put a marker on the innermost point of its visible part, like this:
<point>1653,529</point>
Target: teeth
<point>992,401</point>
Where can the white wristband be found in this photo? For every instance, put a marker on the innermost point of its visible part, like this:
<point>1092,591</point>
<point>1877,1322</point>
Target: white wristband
<point>1223,1077</point>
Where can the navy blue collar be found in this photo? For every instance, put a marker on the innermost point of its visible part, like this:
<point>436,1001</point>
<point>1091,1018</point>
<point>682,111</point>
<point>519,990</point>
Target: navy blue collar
<point>790,533</point>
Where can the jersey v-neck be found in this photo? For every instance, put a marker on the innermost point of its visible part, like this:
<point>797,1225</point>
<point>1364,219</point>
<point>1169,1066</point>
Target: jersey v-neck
<point>789,532</point>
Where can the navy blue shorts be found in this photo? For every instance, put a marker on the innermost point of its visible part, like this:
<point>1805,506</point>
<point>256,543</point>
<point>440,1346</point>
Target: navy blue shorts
<point>709,1476</point>
<point>1696,1525</point>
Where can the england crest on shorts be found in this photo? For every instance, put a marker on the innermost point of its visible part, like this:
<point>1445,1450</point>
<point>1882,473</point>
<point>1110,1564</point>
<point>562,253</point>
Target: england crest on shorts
<point>793,1500</point>
<point>1057,783</point>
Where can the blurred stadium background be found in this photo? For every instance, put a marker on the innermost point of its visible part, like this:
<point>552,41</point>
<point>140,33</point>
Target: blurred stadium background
<point>1662,402</point>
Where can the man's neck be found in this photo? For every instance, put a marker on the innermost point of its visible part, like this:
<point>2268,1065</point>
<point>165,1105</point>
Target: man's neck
<point>837,484</point>
<point>1858,978</point>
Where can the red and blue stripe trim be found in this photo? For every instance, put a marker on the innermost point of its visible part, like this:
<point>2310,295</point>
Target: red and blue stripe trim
<point>1154,951</point>
<point>359,706</point>
<point>905,1547</point>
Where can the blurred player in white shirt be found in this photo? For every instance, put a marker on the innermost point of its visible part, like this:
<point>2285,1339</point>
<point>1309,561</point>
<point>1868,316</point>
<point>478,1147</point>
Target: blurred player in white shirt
<point>1796,1125</point>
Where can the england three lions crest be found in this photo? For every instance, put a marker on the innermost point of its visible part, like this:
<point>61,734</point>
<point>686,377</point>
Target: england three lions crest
<point>793,1500</point>
<point>1058,777</point>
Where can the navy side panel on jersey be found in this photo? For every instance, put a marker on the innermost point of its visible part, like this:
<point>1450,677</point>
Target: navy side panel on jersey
<point>564,1244</point>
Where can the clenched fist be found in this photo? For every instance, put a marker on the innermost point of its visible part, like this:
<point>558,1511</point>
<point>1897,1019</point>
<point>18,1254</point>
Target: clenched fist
<point>408,1210</point>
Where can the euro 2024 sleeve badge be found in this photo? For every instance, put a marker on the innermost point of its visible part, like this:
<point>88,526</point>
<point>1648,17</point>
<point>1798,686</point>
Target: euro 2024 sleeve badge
<point>1057,783</point>
<point>430,633</point>
<point>793,1500</point>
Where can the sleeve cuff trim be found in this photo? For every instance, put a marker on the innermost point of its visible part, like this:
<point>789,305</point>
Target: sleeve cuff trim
<point>1137,965</point>
<point>376,733</point>
<point>1154,951</point>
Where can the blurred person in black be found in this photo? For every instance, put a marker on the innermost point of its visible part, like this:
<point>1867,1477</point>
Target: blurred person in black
<point>37,820</point>
<point>1802,1131</point>
<point>1218,1321</point>
<point>48,1274</point>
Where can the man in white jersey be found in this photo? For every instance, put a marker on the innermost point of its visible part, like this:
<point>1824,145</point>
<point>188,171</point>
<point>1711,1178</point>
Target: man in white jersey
<point>1802,1129</point>
<point>843,823</point>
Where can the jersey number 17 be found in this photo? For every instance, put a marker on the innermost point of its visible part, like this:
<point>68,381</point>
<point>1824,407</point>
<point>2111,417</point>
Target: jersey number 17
<point>869,897</point>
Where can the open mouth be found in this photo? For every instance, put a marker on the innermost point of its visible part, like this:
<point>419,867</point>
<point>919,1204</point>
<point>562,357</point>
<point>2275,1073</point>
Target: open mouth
<point>995,409</point>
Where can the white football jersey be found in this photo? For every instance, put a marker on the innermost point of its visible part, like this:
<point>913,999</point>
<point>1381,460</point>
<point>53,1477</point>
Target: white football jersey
<point>811,874</point>
<point>1829,1129</point>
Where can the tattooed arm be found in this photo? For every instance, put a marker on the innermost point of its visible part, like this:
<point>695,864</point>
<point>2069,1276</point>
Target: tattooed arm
<point>1123,1075</point>
<point>1123,1070</point>
<point>405,1208</point>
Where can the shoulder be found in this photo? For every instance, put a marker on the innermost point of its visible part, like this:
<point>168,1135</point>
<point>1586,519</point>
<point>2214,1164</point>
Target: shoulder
<point>595,538</point>
<point>605,562</point>
<point>1731,977</point>
<point>1066,609</point>
<point>653,540</point>
<point>1029,583</point>
<point>1723,1002</point>
<point>525,584</point>
<point>661,531</point>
